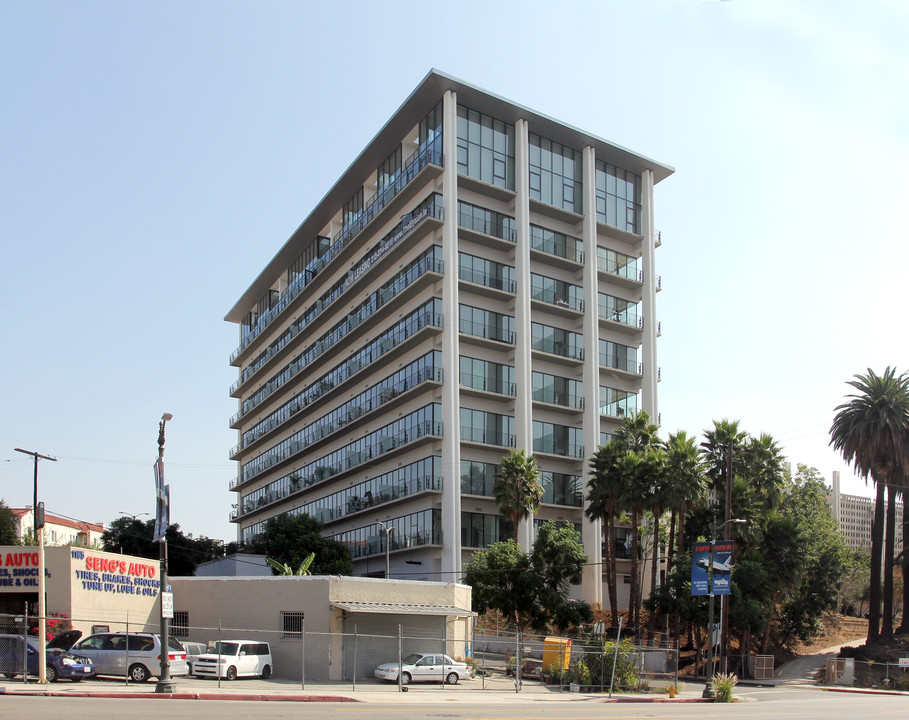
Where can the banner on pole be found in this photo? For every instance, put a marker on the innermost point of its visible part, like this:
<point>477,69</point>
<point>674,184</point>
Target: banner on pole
<point>162,502</point>
<point>722,568</point>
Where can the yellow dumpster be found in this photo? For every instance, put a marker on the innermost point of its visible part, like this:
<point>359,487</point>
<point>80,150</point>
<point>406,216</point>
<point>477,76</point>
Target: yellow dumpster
<point>556,653</point>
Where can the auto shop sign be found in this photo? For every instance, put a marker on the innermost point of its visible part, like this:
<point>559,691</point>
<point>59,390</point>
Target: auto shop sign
<point>18,570</point>
<point>120,575</point>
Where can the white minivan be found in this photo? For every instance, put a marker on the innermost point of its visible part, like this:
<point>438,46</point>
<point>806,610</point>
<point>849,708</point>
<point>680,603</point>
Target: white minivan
<point>231,659</point>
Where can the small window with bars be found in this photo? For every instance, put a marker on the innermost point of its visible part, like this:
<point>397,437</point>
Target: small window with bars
<point>180,624</point>
<point>291,624</point>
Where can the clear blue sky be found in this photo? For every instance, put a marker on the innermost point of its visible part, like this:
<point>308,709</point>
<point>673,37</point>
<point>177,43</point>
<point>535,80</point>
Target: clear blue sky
<point>155,155</point>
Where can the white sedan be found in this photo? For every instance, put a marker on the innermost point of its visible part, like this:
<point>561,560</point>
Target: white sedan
<point>425,667</point>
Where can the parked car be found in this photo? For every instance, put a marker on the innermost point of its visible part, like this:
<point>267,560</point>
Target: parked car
<point>231,659</point>
<point>193,651</point>
<point>59,663</point>
<point>137,655</point>
<point>425,667</point>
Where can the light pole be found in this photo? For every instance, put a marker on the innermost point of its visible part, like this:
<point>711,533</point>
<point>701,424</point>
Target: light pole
<point>134,517</point>
<point>708,690</point>
<point>165,684</point>
<point>38,526</point>
<point>386,530</point>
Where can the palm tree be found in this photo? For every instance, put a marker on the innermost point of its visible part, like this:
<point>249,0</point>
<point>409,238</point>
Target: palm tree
<point>517,489</point>
<point>604,490</point>
<point>871,430</point>
<point>686,484</point>
<point>637,436</point>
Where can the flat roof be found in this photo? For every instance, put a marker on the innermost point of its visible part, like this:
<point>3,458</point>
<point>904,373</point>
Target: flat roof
<point>412,110</point>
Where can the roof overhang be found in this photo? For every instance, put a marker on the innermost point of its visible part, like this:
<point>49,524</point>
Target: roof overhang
<point>402,609</point>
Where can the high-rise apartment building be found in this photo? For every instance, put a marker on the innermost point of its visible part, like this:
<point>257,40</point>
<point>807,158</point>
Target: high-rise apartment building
<point>855,515</point>
<point>480,279</point>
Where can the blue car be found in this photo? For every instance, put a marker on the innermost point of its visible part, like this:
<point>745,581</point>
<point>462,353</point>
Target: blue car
<point>60,664</point>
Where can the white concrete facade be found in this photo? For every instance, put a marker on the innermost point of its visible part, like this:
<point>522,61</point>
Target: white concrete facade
<point>855,515</point>
<point>481,279</point>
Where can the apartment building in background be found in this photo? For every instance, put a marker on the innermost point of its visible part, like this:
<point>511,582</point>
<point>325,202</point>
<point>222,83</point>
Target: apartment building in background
<point>855,515</point>
<point>481,279</point>
<point>58,530</point>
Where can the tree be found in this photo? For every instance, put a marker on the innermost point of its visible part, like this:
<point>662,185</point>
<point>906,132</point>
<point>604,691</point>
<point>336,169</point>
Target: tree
<point>604,492</point>
<point>289,539</point>
<point>685,484</point>
<point>285,569</point>
<point>517,489</point>
<point>9,534</point>
<point>871,431</point>
<point>130,536</point>
<point>531,589</point>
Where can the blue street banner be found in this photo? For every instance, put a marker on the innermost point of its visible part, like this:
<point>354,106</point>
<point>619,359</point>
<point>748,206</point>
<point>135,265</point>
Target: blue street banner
<point>162,504</point>
<point>722,568</point>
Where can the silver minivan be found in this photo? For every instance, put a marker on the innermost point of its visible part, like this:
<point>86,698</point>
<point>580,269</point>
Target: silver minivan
<point>137,655</point>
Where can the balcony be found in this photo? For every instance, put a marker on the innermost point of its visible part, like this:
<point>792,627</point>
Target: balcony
<point>496,282</point>
<point>486,331</point>
<point>416,163</point>
<point>483,383</point>
<point>559,348</point>
<point>562,399</point>
<point>486,437</point>
<point>431,208</point>
<point>555,447</point>
<point>626,365</point>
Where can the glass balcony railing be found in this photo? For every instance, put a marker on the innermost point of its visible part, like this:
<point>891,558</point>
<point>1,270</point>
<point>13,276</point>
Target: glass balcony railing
<point>413,166</point>
<point>569,400</point>
<point>488,437</point>
<point>629,317</point>
<point>488,332</point>
<point>558,347</point>
<point>556,447</point>
<point>479,277</point>
<point>486,221</point>
<point>553,243</point>
<point>629,365</point>
<point>558,299</point>
<point>482,382</point>
<point>382,345</point>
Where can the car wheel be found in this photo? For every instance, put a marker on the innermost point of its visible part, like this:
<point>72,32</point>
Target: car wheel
<point>138,673</point>
<point>266,672</point>
<point>231,673</point>
<point>405,678</point>
<point>51,673</point>
<point>451,678</point>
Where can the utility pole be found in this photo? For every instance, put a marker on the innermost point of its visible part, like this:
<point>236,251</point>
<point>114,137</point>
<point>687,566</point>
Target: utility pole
<point>165,683</point>
<point>38,524</point>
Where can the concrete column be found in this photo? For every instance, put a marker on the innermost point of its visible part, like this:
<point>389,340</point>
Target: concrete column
<point>591,531</point>
<point>523,405</point>
<point>648,301</point>
<point>451,425</point>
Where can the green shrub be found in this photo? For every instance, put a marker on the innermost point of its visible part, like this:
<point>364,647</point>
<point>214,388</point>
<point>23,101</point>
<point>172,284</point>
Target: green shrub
<point>722,685</point>
<point>579,673</point>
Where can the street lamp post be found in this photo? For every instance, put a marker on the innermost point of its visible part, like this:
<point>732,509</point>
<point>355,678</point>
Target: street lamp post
<point>38,526</point>
<point>165,683</point>
<point>386,530</point>
<point>708,690</point>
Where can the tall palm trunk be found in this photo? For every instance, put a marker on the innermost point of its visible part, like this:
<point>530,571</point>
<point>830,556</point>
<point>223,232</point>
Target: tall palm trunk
<point>611,587</point>
<point>635,572</point>
<point>877,547</point>
<point>890,543</point>
<point>670,551</point>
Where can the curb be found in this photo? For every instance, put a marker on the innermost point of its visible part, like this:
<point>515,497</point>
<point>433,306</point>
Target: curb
<point>187,696</point>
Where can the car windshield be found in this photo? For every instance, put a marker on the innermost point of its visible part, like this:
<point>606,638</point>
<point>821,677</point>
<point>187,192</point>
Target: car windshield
<point>412,659</point>
<point>224,648</point>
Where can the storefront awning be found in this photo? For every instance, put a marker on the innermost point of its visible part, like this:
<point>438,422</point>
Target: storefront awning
<point>402,609</point>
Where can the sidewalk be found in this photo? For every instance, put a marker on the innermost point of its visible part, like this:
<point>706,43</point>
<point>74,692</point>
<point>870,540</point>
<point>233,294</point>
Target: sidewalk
<point>496,690</point>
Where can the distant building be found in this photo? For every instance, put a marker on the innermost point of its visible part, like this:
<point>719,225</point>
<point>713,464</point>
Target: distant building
<point>482,278</point>
<point>855,514</point>
<point>58,530</point>
<point>240,565</point>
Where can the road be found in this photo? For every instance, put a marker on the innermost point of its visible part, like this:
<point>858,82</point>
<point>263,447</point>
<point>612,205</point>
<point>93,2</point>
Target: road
<point>757,703</point>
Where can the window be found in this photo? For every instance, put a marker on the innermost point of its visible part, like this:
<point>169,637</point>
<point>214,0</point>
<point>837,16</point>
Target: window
<point>618,197</point>
<point>485,148</point>
<point>180,624</point>
<point>291,624</point>
<point>388,171</point>
<point>555,174</point>
<point>352,209</point>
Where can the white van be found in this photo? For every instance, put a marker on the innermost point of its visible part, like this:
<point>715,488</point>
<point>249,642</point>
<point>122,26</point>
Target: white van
<point>231,659</point>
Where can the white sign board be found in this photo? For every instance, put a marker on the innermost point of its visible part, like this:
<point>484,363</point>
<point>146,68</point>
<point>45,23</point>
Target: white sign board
<point>167,605</point>
<point>904,662</point>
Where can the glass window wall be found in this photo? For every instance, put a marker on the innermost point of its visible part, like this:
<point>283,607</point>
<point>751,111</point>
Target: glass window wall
<point>618,194</point>
<point>555,174</point>
<point>485,148</point>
